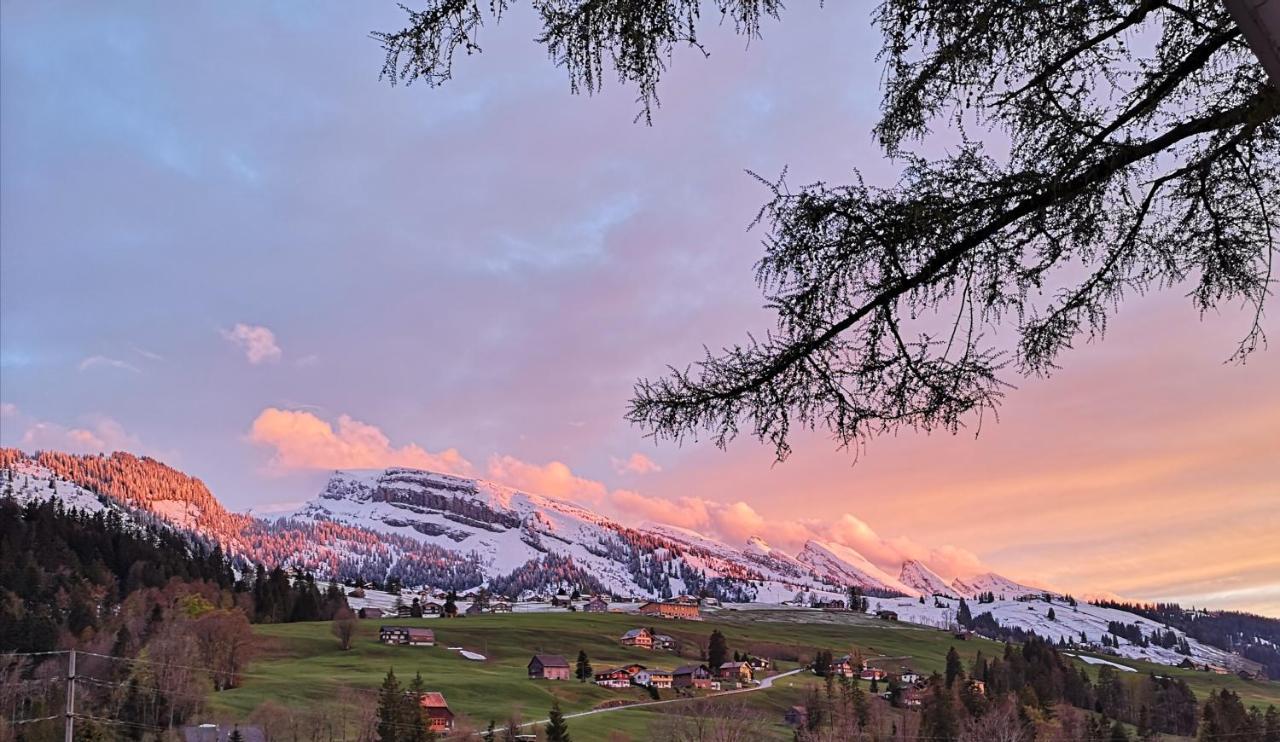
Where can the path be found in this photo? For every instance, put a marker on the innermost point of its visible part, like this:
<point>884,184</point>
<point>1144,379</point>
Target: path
<point>765,683</point>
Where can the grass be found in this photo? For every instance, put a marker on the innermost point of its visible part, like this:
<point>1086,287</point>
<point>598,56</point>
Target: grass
<point>301,664</point>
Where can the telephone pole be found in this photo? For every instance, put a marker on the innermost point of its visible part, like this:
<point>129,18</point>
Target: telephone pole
<point>70,726</point>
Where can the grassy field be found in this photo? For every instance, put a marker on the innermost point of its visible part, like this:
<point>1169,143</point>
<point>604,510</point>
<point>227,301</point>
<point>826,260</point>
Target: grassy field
<point>301,664</point>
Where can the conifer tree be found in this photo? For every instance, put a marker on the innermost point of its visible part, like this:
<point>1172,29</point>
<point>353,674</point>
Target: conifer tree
<point>584,666</point>
<point>557,728</point>
<point>717,650</point>
<point>390,709</point>
<point>954,668</point>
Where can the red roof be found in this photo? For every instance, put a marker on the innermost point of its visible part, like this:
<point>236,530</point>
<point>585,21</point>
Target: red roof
<point>433,700</point>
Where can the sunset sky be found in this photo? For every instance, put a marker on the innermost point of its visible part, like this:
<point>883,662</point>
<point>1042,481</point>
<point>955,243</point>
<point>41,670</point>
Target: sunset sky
<point>225,243</point>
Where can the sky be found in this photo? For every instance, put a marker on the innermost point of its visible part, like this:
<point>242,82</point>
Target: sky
<point>225,243</point>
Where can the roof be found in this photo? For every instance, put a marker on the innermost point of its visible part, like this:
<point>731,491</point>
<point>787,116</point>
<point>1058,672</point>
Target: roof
<point>422,633</point>
<point>433,700</point>
<point>686,669</point>
<point>733,665</point>
<point>634,633</point>
<point>550,660</point>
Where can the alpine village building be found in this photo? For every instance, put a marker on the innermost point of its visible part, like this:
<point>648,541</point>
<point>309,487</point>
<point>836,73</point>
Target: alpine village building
<point>548,667</point>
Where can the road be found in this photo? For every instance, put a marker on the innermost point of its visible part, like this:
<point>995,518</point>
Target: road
<point>765,683</point>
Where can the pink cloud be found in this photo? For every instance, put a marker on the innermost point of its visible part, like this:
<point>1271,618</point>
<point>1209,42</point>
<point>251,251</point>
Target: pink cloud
<point>301,440</point>
<point>637,463</point>
<point>553,479</point>
<point>686,512</point>
<point>97,434</point>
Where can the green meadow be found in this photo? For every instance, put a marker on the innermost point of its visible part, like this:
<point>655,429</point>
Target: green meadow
<point>301,665</point>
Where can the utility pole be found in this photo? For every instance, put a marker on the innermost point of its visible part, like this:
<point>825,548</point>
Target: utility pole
<point>70,726</point>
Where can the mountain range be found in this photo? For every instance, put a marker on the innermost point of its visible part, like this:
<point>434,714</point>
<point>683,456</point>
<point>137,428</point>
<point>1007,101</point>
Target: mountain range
<point>422,528</point>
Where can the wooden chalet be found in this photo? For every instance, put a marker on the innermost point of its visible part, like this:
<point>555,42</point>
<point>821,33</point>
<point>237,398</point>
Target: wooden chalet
<point>672,609</point>
<point>637,638</point>
<point>439,717</point>
<point>691,676</point>
<point>616,677</point>
<point>597,604</point>
<point>737,671</point>
<point>549,667</point>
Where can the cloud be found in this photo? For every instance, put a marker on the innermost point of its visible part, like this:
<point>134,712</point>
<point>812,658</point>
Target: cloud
<point>95,361</point>
<point>98,434</point>
<point>301,440</point>
<point>257,342</point>
<point>553,479</point>
<point>638,463</point>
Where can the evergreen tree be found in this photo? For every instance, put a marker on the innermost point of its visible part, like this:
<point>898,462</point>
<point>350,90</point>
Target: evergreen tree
<point>451,604</point>
<point>1052,616</point>
<point>583,671</point>
<point>415,718</point>
<point>938,720</point>
<point>963,616</point>
<point>717,650</point>
<point>557,728</point>
<point>954,668</point>
<point>390,709</point>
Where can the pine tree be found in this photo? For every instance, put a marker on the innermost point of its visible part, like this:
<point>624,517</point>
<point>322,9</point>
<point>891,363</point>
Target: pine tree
<point>1052,616</point>
<point>557,727</point>
<point>938,714</point>
<point>717,650</point>
<point>584,666</point>
<point>954,668</point>
<point>415,718</point>
<point>390,708</point>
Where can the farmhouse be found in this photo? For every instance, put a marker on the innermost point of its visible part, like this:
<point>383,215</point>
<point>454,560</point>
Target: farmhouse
<point>910,677</point>
<point>500,607</point>
<point>663,641</point>
<point>691,676</point>
<point>440,718</point>
<point>844,666</point>
<point>759,663</point>
<point>737,671</point>
<point>407,635</point>
<point>432,609</point>
<point>370,612</point>
<point>873,673</point>
<point>653,677</point>
<point>613,678</point>
<point>549,667</point>
<point>597,604</point>
<point>638,638</point>
<point>672,609</point>
<point>633,668</point>
<point>475,609</point>
<point>887,615</point>
<point>834,604</point>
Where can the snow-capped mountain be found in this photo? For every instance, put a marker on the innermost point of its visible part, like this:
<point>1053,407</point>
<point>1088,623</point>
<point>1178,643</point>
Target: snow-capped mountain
<point>999,585</point>
<point>841,565</point>
<point>922,580</point>
<point>443,531</point>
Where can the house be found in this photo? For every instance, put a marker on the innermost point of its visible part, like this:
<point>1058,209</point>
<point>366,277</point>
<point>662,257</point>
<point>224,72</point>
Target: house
<point>913,697</point>
<point>616,677</point>
<point>738,671</point>
<point>977,686</point>
<point>834,604</point>
<point>475,609</point>
<point>597,604</point>
<point>222,733</point>
<point>963,635</point>
<point>691,676</point>
<point>796,716</point>
<point>500,607</point>
<point>844,666</point>
<point>910,677</point>
<point>370,612</point>
<point>653,677</point>
<point>432,609</point>
<point>873,673</point>
<point>406,635</point>
<point>672,609</point>
<point>684,600</point>
<point>663,641</point>
<point>887,615</point>
<point>711,602</point>
<point>549,667</point>
<point>633,668</point>
<point>759,663</point>
<point>439,717</point>
<point>638,638</point>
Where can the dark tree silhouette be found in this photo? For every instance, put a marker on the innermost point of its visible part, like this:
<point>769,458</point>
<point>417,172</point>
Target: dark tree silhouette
<point>1143,144</point>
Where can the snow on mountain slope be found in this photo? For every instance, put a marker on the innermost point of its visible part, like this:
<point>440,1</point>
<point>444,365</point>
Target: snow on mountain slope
<point>28,481</point>
<point>504,529</point>
<point>1069,624</point>
<point>922,580</point>
<point>1000,586</point>
<point>841,565</point>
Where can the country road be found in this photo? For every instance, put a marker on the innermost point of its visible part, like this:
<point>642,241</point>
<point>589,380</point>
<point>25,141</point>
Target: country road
<point>765,683</point>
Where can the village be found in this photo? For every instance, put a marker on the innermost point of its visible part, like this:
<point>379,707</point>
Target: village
<point>716,672</point>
